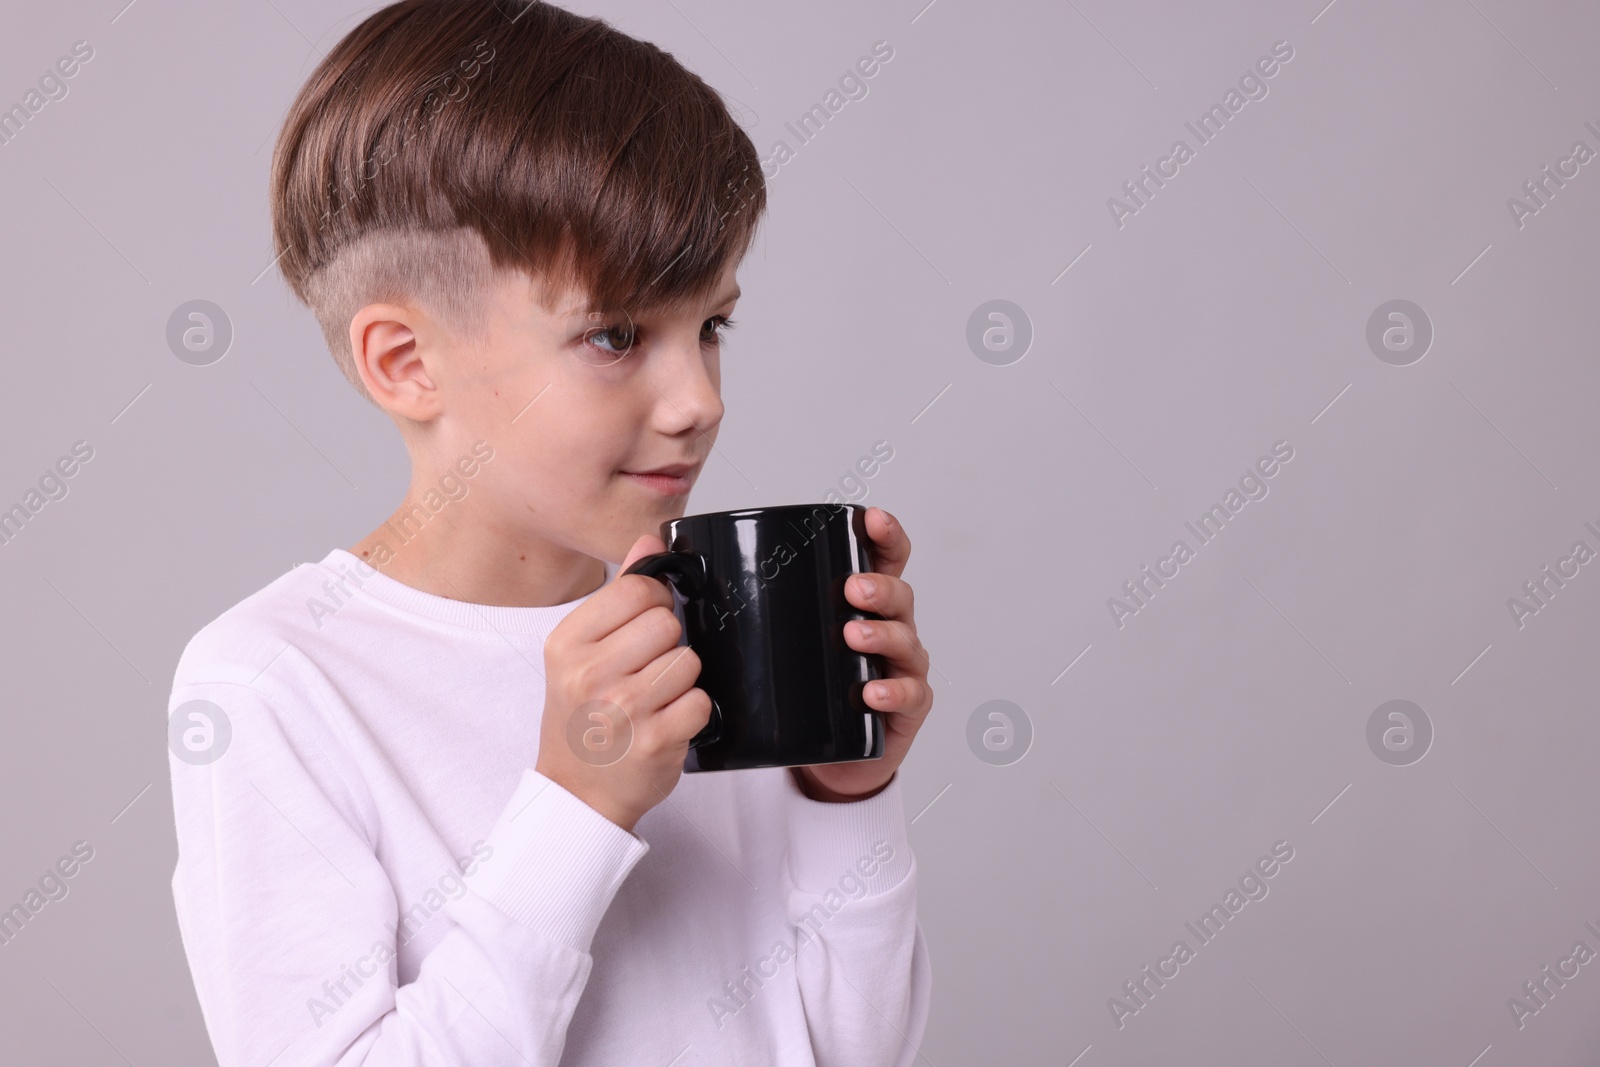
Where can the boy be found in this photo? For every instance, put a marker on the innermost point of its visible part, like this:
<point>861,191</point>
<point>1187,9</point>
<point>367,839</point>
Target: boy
<point>518,229</point>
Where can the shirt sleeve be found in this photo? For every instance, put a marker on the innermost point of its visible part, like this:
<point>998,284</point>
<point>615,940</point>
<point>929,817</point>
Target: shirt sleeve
<point>861,959</point>
<point>289,920</point>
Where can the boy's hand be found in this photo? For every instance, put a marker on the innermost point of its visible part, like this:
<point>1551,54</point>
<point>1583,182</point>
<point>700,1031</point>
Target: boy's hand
<point>620,703</point>
<point>908,697</point>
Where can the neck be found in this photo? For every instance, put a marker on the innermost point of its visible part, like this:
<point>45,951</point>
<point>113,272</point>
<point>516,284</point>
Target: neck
<point>462,555</point>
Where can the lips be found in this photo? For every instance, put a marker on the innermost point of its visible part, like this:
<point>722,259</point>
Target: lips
<point>674,470</point>
<point>673,479</point>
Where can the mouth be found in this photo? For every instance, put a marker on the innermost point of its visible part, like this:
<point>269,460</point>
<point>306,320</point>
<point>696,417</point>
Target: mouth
<point>675,479</point>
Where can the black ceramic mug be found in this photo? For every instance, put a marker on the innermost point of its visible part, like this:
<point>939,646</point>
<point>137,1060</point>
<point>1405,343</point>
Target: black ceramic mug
<point>764,609</point>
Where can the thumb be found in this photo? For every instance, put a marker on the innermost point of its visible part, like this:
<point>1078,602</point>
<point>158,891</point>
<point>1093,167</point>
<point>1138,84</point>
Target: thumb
<point>647,544</point>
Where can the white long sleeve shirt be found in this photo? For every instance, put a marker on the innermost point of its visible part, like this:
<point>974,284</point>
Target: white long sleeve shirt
<point>370,871</point>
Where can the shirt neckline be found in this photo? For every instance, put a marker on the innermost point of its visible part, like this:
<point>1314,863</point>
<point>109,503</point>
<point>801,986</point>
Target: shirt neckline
<point>366,580</point>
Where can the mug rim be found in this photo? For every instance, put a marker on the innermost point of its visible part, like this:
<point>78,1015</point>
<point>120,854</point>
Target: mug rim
<point>772,509</point>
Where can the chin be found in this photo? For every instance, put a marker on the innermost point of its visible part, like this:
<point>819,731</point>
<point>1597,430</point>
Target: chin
<point>670,506</point>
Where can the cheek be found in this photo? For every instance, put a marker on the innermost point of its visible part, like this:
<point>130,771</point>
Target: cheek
<point>714,374</point>
<point>583,437</point>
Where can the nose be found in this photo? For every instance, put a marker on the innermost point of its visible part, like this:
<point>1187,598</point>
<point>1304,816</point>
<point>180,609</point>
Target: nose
<point>689,390</point>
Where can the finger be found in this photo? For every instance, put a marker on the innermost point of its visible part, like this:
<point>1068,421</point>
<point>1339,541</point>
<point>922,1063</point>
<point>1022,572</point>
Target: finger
<point>667,676</point>
<point>911,696</point>
<point>885,594</point>
<point>615,605</point>
<point>891,546</point>
<point>646,545</point>
<point>641,641</point>
<point>895,641</point>
<point>685,716</point>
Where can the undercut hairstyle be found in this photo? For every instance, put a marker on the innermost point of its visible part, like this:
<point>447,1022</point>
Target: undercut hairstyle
<point>444,143</point>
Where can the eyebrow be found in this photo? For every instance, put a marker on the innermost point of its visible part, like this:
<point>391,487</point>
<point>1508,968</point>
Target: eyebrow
<point>731,295</point>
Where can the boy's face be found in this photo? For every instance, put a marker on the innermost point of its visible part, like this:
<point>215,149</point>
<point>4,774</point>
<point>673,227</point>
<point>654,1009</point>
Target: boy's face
<point>577,405</point>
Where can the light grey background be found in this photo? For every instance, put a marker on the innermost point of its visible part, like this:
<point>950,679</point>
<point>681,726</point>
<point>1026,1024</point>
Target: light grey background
<point>1228,314</point>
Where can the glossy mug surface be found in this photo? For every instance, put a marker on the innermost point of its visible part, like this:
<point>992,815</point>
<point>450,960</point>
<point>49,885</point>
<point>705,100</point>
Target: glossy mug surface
<point>764,609</point>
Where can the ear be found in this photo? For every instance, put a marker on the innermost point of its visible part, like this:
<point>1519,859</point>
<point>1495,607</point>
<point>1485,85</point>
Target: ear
<point>393,347</point>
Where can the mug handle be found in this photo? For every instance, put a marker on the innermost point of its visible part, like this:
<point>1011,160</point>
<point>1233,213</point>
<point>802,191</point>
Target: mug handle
<point>685,572</point>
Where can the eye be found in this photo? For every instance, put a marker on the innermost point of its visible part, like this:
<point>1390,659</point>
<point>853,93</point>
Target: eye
<point>719,325</point>
<point>605,343</point>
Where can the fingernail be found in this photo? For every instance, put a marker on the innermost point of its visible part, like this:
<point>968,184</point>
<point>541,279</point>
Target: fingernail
<point>879,692</point>
<point>866,586</point>
<point>864,629</point>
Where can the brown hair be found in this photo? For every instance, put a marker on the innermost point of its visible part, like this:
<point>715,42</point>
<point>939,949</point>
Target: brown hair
<point>443,141</point>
